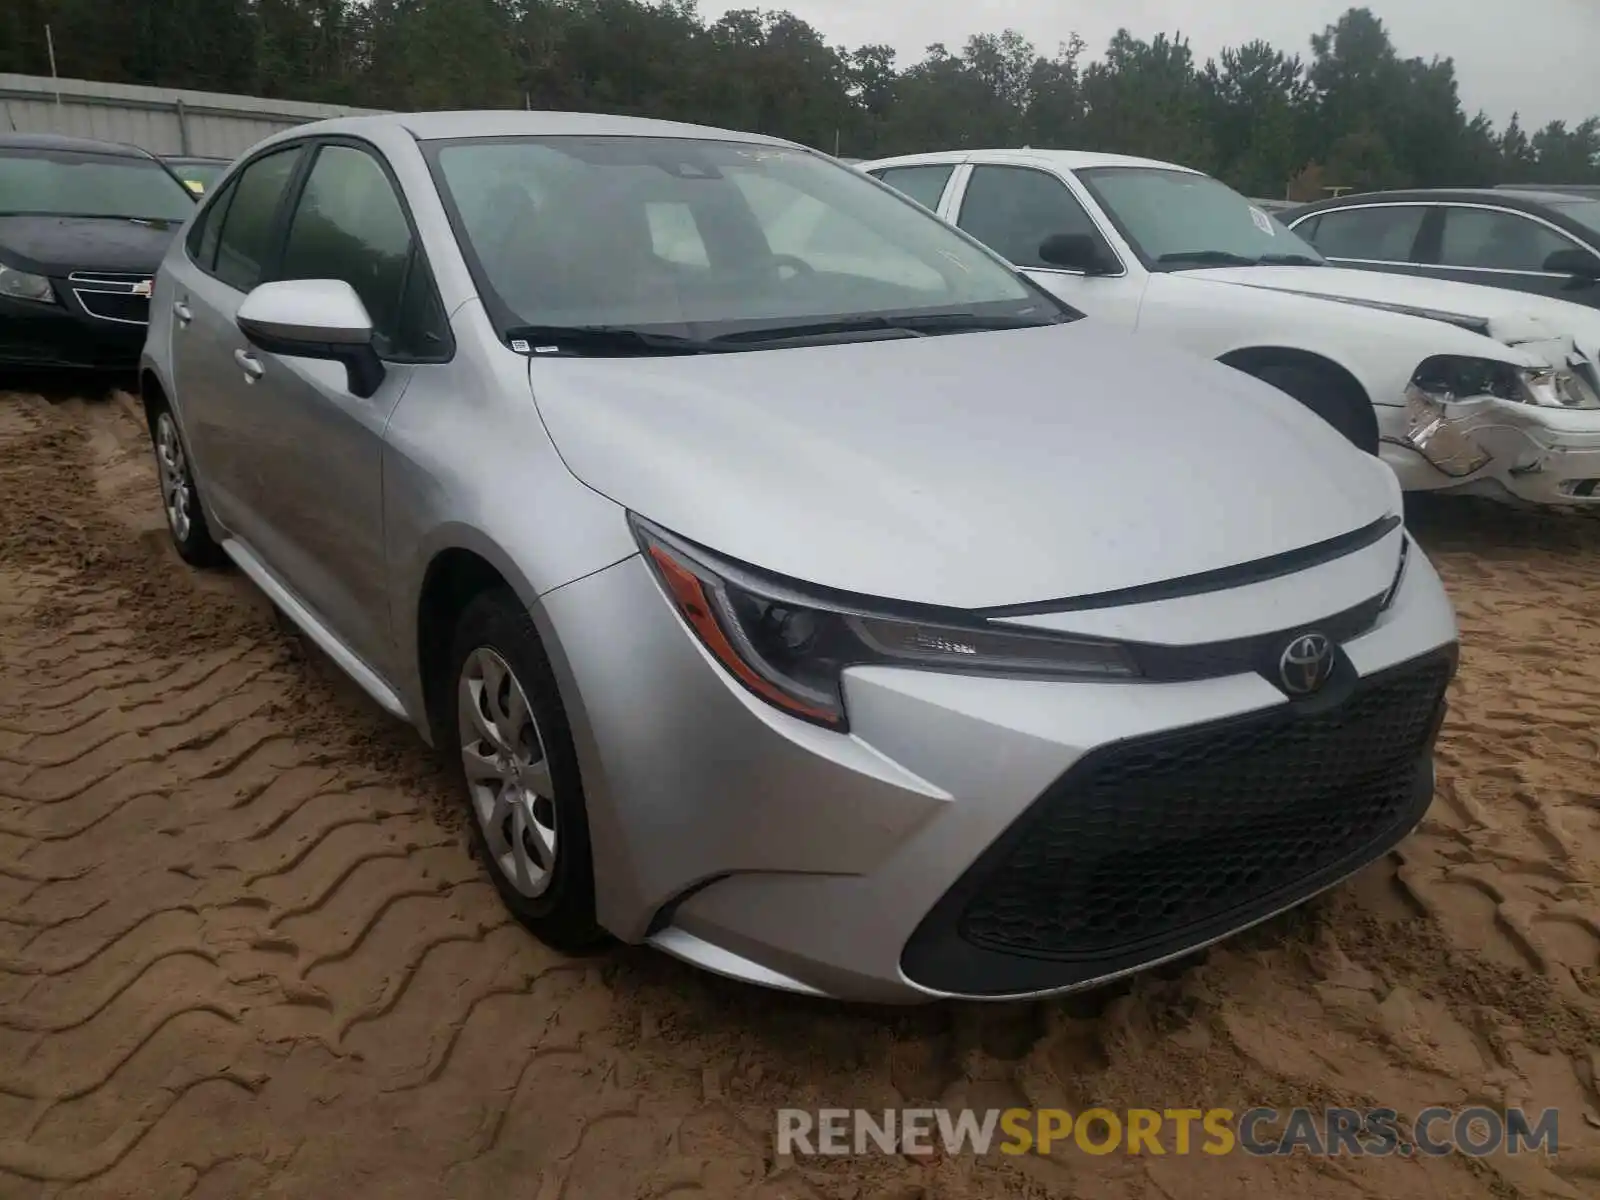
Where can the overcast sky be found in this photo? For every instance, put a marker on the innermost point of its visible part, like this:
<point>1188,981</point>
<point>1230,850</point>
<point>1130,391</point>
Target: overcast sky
<point>1539,57</point>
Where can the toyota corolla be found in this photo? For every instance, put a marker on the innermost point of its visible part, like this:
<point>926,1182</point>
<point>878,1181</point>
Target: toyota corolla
<point>800,589</point>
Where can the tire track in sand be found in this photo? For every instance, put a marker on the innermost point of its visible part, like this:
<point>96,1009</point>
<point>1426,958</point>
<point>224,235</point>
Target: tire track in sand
<point>242,949</point>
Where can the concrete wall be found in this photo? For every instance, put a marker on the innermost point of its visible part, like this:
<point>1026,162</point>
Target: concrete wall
<point>161,120</point>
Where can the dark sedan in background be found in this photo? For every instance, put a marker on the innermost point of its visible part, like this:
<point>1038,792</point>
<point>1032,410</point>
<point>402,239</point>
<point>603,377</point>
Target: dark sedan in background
<point>83,226</point>
<point>1547,242</point>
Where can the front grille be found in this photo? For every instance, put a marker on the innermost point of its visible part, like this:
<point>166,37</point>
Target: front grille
<point>113,296</point>
<point>1155,845</point>
<point>115,306</point>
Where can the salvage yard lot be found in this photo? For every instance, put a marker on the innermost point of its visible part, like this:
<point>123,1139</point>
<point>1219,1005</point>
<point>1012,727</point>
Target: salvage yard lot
<point>244,949</point>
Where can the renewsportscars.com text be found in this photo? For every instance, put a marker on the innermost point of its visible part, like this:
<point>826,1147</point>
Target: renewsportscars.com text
<point>1372,1132</point>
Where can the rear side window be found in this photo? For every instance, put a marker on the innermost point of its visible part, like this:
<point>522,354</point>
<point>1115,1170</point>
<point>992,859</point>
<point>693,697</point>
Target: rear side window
<point>245,243</point>
<point>924,184</point>
<point>207,230</point>
<point>1384,234</point>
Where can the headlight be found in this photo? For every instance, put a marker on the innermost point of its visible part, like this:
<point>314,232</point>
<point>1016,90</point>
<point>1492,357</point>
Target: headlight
<point>791,648</point>
<point>19,285</point>
<point>1559,387</point>
<point>1448,377</point>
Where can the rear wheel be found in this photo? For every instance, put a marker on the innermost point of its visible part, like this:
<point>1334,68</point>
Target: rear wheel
<point>1327,396</point>
<point>520,771</point>
<point>180,499</point>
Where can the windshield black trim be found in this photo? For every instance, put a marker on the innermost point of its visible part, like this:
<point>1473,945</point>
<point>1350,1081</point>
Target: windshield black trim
<point>1274,566</point>
<point>505,321</point>
<point>1087,176</point>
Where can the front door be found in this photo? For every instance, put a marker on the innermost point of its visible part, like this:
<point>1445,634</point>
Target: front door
<point>324,460</point>
<point>1013,209</point>
<point>1505,249</point>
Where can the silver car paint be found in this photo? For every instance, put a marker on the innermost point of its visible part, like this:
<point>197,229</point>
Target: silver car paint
<point>788,829</point>
<point>811,439</point>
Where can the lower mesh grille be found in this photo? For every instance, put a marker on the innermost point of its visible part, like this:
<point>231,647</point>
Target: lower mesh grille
<point>1151,844</point>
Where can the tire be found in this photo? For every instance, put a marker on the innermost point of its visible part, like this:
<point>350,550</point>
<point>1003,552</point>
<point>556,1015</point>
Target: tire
<point>495,634</point>
<point>1329,398</point>
<point>180,498</point>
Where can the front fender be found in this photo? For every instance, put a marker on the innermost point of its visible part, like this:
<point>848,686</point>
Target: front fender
<point>1381,350</point>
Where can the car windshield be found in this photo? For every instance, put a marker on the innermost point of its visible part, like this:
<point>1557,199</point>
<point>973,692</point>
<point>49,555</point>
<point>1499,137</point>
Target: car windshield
<point>198,176</point>
<point>702,239</point>
<point>72,183</point>
<point>1178,220</point>
<point>1585,211</point>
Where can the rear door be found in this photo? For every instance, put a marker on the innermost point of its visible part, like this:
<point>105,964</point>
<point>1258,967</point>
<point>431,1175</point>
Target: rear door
<point>1373,237</point>
<point>228,253</point>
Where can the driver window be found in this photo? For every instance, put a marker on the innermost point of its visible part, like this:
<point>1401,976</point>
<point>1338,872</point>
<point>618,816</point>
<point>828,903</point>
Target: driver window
<point>1013,209</point>
<point>1497,241</point>
<point>349,225</point>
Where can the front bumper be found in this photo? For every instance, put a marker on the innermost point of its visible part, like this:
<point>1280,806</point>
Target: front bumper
<point>98,323</point>
<point>954,842</point>
<point>1531,454</point>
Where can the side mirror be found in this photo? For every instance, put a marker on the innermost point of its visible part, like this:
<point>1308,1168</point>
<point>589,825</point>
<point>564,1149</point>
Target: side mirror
<point>314,318</point>
<point>1580,264</point>
<point>1076,252</point>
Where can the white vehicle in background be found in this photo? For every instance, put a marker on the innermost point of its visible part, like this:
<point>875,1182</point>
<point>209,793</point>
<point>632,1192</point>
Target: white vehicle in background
<point>1458,388</point>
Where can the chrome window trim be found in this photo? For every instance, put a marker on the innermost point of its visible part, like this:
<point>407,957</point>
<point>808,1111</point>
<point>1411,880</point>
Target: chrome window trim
<point>1447,204</point>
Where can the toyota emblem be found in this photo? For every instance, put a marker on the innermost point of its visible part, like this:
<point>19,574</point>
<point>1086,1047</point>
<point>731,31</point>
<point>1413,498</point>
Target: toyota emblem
<point>1306,664</point>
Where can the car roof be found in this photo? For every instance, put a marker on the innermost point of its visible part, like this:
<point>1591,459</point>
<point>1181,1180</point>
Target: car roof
<point>56,141</point>
<point>1528,199</point>
<point>193,158</point>
<point>442,126</point>
<point>1067,160</point>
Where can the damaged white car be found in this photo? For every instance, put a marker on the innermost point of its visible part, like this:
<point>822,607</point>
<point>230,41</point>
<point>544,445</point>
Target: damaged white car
<point>1459,388</point>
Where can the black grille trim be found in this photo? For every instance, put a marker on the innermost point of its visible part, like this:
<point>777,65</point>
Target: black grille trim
<point>1274,567</point>
<point>1149,848</point>
<point>1259,652</point>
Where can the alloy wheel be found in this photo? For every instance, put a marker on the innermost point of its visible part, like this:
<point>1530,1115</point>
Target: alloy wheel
<point>176,493</point>
<point>508,772</point>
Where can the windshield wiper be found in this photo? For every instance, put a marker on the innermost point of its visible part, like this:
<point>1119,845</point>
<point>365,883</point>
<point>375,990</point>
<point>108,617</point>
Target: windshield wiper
<point>826,328</point>
<point>1224,258</point>
<point>602,340</point>
<point>959,322</point>
<point>1289,260</point>
<point>888,324</point>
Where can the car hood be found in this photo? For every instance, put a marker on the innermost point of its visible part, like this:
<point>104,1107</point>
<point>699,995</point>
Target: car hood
<point>970,470</point>
<point>61,245</point>
<point>1512,318</point>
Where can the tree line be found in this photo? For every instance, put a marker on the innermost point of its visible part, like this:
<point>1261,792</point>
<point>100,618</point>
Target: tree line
<point>1351,113</point>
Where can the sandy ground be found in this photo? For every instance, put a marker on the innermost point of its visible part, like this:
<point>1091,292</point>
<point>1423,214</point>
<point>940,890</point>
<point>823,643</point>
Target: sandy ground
<point>244,951</point>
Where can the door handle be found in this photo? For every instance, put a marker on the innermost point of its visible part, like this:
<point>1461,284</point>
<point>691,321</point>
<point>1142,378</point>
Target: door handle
<point>249,364</point>
<point>181,311</point>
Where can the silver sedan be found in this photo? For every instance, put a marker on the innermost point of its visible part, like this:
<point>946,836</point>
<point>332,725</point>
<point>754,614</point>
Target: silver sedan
<point>800,589</point>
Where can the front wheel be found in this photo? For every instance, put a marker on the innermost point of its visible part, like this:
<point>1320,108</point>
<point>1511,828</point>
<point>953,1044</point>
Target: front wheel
<point>1329,398</point>
<point>520,771</point>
